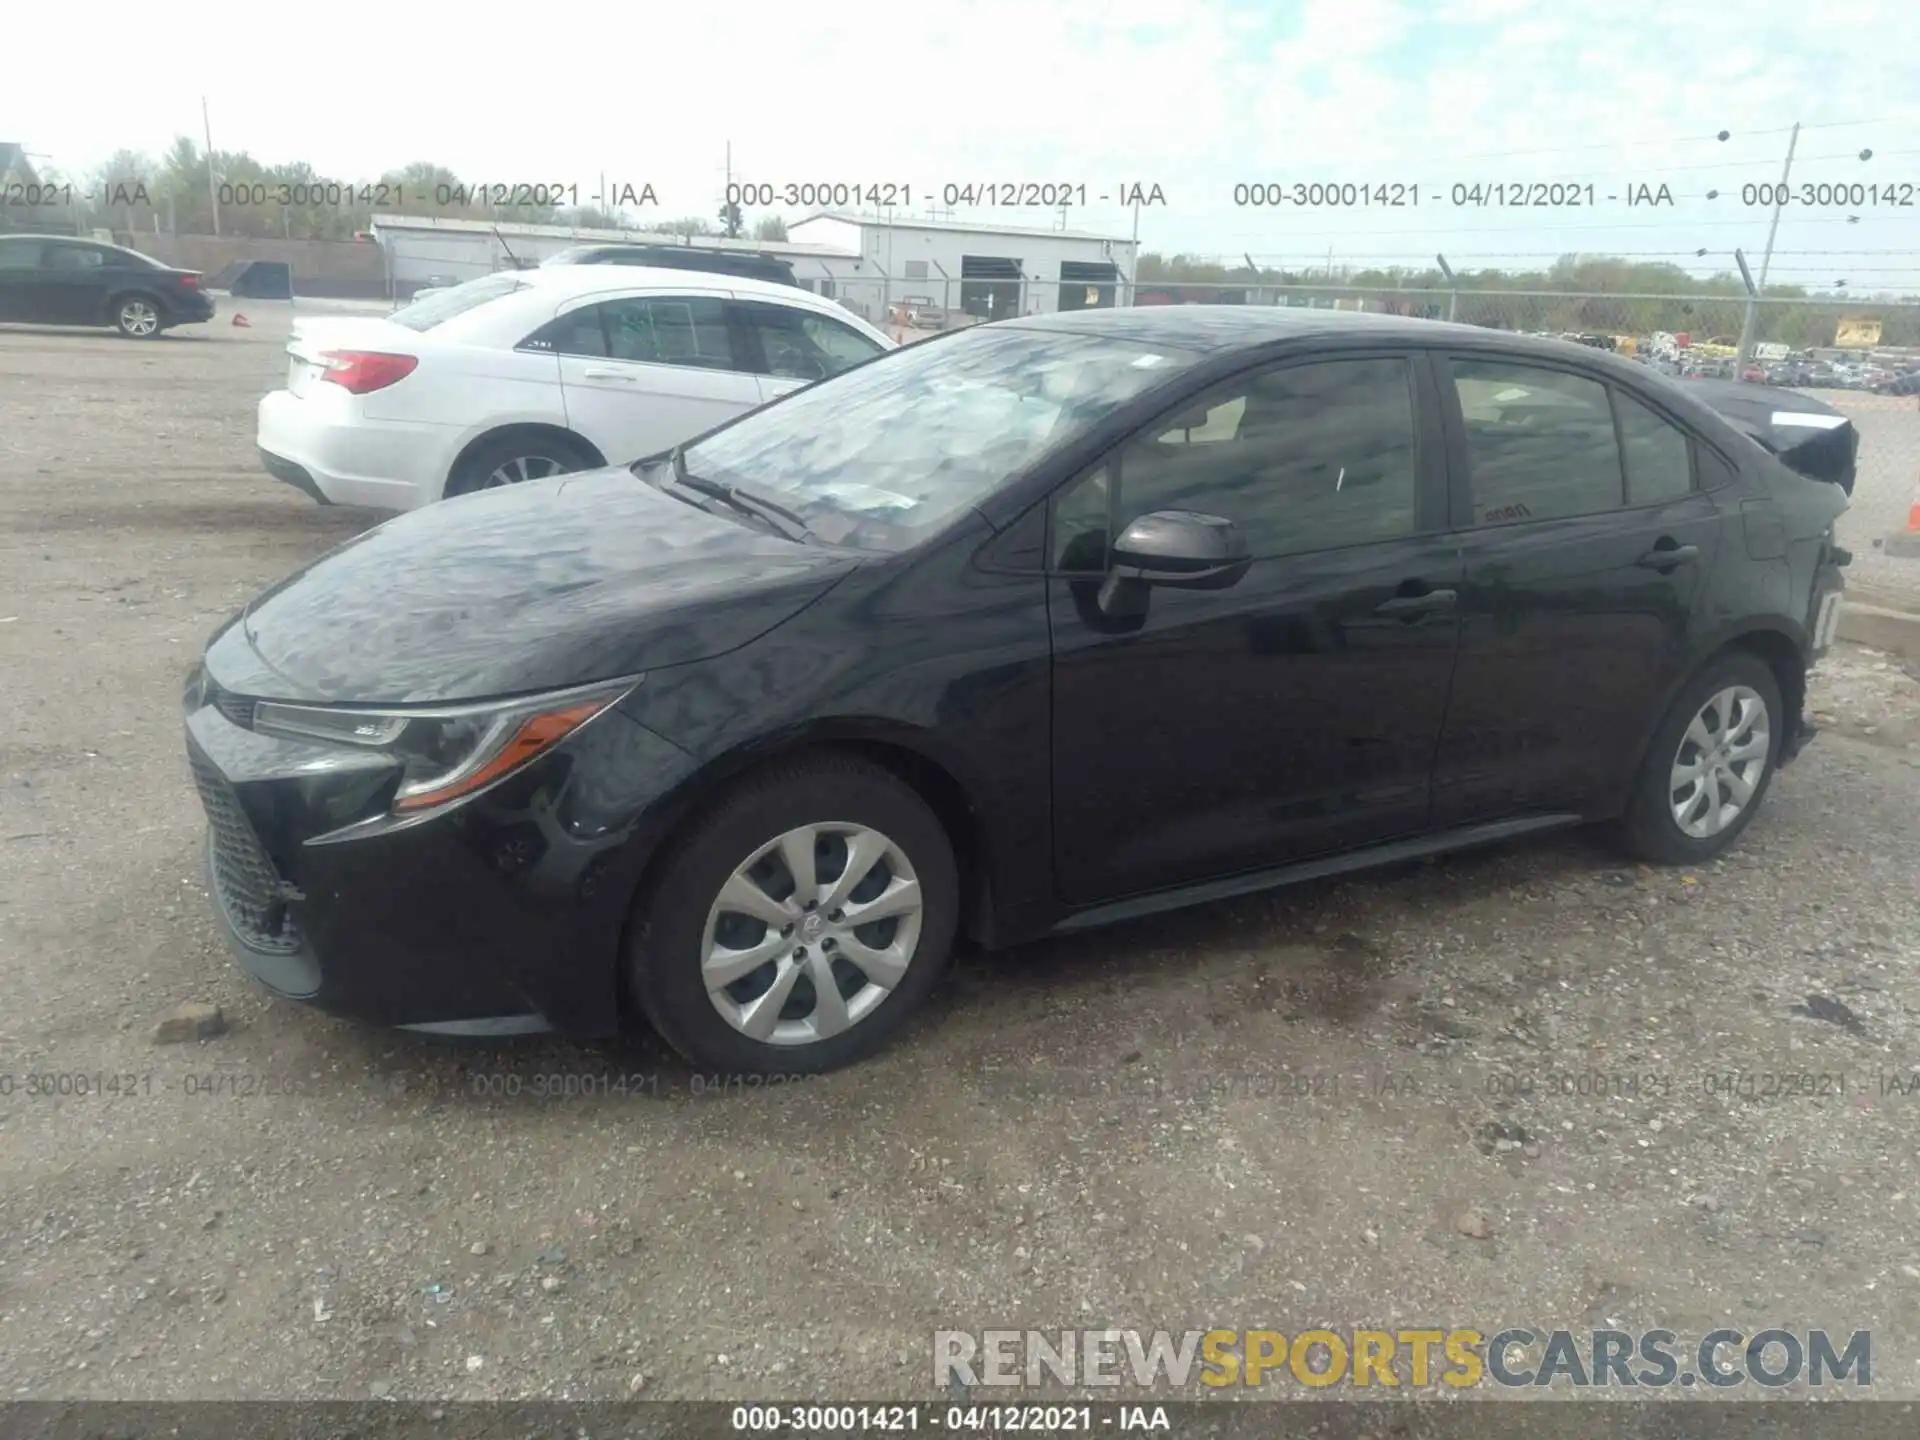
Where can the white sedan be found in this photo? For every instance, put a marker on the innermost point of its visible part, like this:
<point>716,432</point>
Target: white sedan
<point>535,372</point>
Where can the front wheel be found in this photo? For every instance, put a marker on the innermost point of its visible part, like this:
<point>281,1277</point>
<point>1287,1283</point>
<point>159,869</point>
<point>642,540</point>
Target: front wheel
<point>798,923</point>
<point>1709,765</point>
<point>137,317</point>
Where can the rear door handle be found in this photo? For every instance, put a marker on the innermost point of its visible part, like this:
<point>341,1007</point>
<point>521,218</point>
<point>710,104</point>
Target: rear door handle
<point>1665,557</point>
<point>1409,606</point>
<point>619,375</point>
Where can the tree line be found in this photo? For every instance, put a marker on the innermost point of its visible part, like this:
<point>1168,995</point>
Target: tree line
<point>1585,296</point>
<point>236,194</point>
<point>184,190</point>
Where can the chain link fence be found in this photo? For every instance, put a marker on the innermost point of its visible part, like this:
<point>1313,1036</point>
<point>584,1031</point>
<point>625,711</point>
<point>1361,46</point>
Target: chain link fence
<point>1853,329</point>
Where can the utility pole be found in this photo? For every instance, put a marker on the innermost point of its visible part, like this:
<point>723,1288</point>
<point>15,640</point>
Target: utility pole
<point>1133,258</point>
<point>1766,257</point>
<point>213,188</point>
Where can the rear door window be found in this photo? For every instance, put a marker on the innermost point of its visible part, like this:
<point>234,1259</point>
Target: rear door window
<point>1540,442</point>
<point>578,332</point>
<point>688,330</point>
<point>1659,456</point>
<point>65,257</point>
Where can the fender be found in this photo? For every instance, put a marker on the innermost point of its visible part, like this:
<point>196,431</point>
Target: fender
<point>1778,632</point>
<point>1001,903</point>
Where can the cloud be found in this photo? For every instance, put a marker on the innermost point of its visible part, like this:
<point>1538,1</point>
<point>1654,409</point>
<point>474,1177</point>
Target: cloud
<point>1195,98</point>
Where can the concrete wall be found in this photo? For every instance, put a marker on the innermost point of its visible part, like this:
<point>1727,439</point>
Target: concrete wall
<point>341,268</point>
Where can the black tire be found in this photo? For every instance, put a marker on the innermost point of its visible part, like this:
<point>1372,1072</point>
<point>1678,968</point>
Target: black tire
<point>137,316</point>
<point>506,451</point>
<point>666,942</point>
<point>1649,829</point>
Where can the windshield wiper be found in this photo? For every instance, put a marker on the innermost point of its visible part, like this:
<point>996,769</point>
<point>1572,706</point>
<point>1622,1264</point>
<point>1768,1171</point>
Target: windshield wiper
<point>787,522</point>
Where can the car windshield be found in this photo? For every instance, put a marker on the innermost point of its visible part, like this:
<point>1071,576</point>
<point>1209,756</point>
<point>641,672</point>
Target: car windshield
<point>443,305</point>
<point>879,457</point>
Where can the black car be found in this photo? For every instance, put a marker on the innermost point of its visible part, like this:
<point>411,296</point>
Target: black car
<point>1029,628</point>
<point>61,280</point>
<point>744,263</point>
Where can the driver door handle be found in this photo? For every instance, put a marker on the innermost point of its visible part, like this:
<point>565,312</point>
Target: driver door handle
<point>1410,606</point>
<point>619,375</point>
<point>1666,557</point>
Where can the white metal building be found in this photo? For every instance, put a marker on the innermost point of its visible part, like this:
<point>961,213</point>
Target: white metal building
<point>870,264</point>
<point>988,272</point>
<point>423,249</point>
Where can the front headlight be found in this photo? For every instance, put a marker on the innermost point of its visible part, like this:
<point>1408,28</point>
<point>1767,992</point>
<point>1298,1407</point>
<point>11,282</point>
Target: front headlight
<point>447,751</point>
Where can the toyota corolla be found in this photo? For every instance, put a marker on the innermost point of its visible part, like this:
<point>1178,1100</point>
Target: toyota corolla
<point>1035,626</point>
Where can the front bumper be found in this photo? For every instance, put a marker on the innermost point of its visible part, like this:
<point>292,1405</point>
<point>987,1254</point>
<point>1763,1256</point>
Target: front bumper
<point>500,915</point>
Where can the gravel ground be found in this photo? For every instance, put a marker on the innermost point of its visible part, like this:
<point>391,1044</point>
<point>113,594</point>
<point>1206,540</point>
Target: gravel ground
<point>1280,1111</point>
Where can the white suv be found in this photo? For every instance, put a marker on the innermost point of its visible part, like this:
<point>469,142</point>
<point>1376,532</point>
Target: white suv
<point>534,372</point>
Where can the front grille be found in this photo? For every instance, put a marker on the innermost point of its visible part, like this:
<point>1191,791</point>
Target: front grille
<point>246,884</point>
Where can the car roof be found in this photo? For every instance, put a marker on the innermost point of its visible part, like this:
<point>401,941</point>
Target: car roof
<point>566,281</point>
<point>628,247</point>
<point>1213,328</point>
<point>1218,331</point>
<point>70,239</point>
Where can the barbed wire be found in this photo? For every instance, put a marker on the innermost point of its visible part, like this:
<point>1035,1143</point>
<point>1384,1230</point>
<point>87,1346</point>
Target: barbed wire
<point>1719,137</point>
<point>1426,257</point>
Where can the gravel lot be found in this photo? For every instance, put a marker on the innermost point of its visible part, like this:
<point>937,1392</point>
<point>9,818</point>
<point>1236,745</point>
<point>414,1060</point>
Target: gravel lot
<point>1887,486</point>
<point>1272,1112</point>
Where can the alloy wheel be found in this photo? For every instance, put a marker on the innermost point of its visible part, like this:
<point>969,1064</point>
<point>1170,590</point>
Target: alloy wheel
<point>138,318</point>
<point>522,468</point>
<point>811,933</point>
<point>1722,758</point>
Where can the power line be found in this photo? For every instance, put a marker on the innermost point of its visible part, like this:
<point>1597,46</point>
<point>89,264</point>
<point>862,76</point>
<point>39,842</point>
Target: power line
<point>1719,137</point>
<point>1443,232</point>
<point>1650,176</point>
<point>1542,254</point>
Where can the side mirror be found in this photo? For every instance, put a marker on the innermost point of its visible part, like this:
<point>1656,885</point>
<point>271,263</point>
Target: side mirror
<point>1179,549</point>
<point>1182,548</point>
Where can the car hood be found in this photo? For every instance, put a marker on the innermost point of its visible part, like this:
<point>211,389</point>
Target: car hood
<point>552,583</point>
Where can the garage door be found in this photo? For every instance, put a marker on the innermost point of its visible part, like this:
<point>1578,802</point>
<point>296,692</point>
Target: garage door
<point>990,286</point>
<point>1085,286</point>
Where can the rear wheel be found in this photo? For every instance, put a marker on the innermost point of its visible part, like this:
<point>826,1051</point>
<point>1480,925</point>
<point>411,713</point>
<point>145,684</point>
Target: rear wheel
<point>796,925</point>
<point>514,459</point>
<point>136,316</point>
<point>1709,765</point>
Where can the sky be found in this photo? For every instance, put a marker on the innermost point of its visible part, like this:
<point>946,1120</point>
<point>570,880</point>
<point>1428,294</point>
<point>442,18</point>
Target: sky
<point>1195,97</point>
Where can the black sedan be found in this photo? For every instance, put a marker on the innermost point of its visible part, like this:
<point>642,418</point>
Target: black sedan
<point>1029,628</point>
<point>60,280</point>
